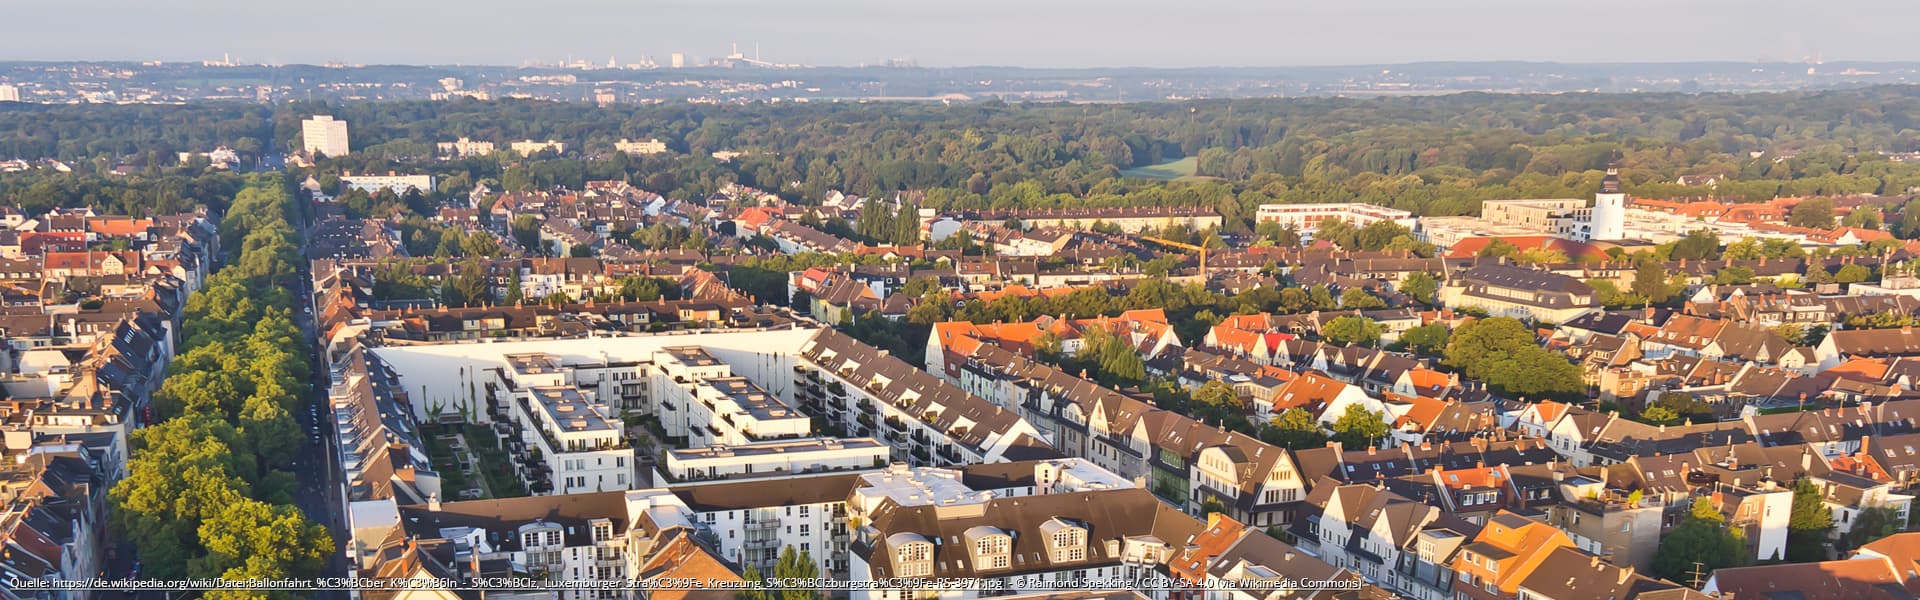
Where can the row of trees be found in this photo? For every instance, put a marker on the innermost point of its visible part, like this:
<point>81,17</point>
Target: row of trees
<point>209,490</point>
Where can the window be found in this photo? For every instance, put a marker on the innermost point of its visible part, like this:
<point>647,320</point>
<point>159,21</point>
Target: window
<point>992,552</point>
<point>913,559</point>
<point>1069,544</point>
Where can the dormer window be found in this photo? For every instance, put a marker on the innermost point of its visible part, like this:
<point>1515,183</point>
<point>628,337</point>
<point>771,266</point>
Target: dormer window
<point>1067,542</point>
<point>913,558</point>
<point>993,552</point>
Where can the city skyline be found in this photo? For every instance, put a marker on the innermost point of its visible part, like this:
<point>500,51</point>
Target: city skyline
<point>1066,34</point>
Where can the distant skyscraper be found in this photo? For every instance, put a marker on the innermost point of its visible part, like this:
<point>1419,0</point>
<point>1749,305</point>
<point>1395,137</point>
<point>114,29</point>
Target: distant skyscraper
<point>679,60</point>
<point>9,93</point>
<point>321,134</point>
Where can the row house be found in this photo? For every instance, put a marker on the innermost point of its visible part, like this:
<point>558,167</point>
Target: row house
<point>928,420</point>
<point>1189,463</point>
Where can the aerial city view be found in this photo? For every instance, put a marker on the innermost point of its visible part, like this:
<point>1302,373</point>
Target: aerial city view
<point>1044,300</point>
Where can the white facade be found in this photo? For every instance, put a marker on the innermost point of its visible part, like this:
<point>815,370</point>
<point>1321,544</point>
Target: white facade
<point>1609,209</point>
<point>321,134</point>
<point>1305,218</point>
<point>464,147</point>
<point>530,147</point>
<point>776,458</point>
<point>398,184</point>
<point>651,146</point>
<point>580,448</point>
<point>9,93</point>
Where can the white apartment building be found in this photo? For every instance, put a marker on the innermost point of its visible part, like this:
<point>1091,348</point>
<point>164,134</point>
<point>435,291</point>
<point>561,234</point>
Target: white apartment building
<point>530,147</point>
<point>733,411</point>
<point>464,147</point>
<point>394,182</point>
<point>9,93</point>
<point>777,458</point>
<point>1305,218</point>
<point>579,447</point>
<point>321,134</point>
<point>651,146</point>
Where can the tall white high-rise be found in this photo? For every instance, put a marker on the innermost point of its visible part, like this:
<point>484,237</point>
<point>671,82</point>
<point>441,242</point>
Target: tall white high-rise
<point>9,93</point>
<point>324,135</point>
<point>1609,208</point>
<point>679,60</point>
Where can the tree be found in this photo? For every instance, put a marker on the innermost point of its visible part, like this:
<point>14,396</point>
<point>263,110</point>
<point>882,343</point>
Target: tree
<point>1426,339</point>
<point>1862,217</point>
<point>1498,248</point>
<point>1475,344</point>
<point>1352,329</point>
<point>1421,286</point>
<point>1852,273</point>
<point>1502,352</point>
<point>1294,429</point>
<point>1699,244</point>
<point>797,566</point>
<point>1339,233</point>
<point>1360,427</point>
<point>1659,415</point>
<point>1650,282</point>
<point>1816,213</point>
<point>250,538</point>
<point>1735,275</point>
<point>1871,524</point>
<point>1702,539</point>
<point>1219,396</point>
<point>757,591</point>
<point>1358,299</point>
<point>1808,525</point>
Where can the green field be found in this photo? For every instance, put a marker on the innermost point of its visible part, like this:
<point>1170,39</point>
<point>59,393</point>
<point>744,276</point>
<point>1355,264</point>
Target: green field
<point>1178,169</point>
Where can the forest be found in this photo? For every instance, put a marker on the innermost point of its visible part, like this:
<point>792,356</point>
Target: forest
<point>1433,155</point>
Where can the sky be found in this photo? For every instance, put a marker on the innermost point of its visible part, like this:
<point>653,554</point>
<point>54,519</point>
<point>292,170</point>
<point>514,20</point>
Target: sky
<point>1028,33</point>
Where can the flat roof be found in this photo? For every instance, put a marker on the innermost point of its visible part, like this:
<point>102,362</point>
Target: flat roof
<point>752,400</point>
<point>533,363</point>
<point>775,447</point>
<point>568,410</point>
<point>693,356</point>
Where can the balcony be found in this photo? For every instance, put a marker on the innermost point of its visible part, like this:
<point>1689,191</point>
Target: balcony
<point>920,455</point>
<point>864,419</point>
<point>951,454</point>
<point>898,438</point>
<point>895,424</point>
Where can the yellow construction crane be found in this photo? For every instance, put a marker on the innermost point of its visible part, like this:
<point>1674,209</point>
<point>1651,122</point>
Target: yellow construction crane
<point>1183,246</point>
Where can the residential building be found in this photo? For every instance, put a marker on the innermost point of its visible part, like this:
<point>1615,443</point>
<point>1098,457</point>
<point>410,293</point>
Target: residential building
<point>322,134</point>
<point>393,182</point>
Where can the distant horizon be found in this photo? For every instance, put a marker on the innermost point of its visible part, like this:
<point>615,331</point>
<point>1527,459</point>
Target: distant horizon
<point>1053,34</point>
<point>1667,63</point>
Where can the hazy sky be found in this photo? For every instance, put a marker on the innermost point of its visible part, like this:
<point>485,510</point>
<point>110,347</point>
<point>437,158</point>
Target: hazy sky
<point>1041,33</point>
